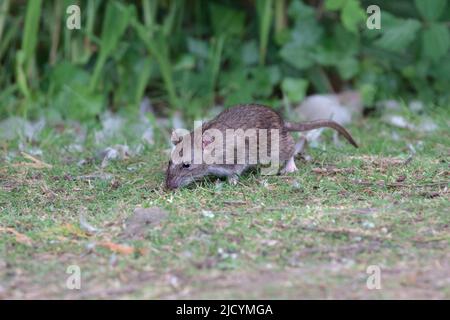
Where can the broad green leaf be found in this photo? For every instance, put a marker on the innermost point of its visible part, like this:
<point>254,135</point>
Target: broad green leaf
<point>334,4</point>
<point>185,62</point>
<point>368,92</point>
<point>307,33</point>
<point>436,41</point>
<point>294,88</point>
<point>305,36</point>
<point>274,74</point>
<point>399,36</point>
<point>199,48</point>
<point>250,53</point>
<point>431,10</point>
<point>327,55</point>
<point>344,41</point>
<point>442,71</point>
<point>348,68</point>
<point>299,11</point>
<point>352,14</point>
<point>297,56</point>
<point>69,95</point>
<point>261,82</point>
<point>226,20</point>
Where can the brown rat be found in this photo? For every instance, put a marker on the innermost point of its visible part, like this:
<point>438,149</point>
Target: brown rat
<point>245,117</point>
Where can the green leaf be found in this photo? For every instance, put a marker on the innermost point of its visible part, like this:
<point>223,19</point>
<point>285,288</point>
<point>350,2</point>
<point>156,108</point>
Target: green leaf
<point>225,20</point>
<point>261,82</point>
<point>299,51</point>
<point>307,33</point>
<point>114,25</point>
<point>274,74</point>
<point>348,68</point>
<point>351,15</point>
<point>250,53</point>
<point>185,62</point>
<point>399,36</point>
<point>436,41</point>
<point>31,29</point>
<point>334,4</point>
<point>431,10</point>
<point>327,55</point>
<point>69,94</point>
<point>297,56</point>
<point>265,15</point>
<point>299,11</point>
<point>294,88</point>
<point>199,48</point>
<point>442,71</point>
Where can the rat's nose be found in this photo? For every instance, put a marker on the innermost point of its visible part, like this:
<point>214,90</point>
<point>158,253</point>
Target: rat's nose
<point>171,185</point>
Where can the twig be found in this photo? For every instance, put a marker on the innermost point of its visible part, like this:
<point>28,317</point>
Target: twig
<point>358,247</point>
<point>347,232</point>
<point>399,184</point>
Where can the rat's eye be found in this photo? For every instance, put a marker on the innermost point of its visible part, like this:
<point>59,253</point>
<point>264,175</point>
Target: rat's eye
<point>186,165</point>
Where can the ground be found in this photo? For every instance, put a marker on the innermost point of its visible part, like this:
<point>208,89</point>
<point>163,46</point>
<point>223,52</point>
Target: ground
<point>310,234</point>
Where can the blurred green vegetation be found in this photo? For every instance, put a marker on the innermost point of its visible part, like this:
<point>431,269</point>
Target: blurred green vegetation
<point>189,55</point>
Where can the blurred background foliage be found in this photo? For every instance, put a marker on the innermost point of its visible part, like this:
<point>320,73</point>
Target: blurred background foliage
<point>191,55</point>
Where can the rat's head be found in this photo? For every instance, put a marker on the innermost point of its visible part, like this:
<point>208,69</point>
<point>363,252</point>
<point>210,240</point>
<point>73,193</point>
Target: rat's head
<point>182,169</point>
<point>184,173</point>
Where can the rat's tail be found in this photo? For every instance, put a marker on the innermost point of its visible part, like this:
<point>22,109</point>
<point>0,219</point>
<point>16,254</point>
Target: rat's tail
<point>310,125</point>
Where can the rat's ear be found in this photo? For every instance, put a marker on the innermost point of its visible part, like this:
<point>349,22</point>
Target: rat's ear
<point>206,140</point>
<point>175,137</point>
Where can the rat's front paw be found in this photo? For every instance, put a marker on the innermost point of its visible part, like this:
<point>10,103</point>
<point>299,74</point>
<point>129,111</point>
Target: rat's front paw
<point>233,180</point>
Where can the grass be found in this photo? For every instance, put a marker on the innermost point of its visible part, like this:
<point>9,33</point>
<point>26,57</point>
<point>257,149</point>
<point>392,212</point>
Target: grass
<point>311,234</point>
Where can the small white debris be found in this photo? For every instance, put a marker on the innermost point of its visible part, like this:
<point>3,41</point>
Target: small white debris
<point>391,105</point>
<point>75,147</point>
<point>427,125</point>
<point>111,125</point>
<point>174,281</point>
<point>264,183</point>
<point>397,121</point>
<point>84,225</point>
<point>368,225</point>
<point>208,214</point>
<point>113,260</point>
<point>296,185</point>
<point>117,152</point>
<point>416,106</point>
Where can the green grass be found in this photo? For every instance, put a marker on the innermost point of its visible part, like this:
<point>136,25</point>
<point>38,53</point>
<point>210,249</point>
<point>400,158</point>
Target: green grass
<point>311,234</point>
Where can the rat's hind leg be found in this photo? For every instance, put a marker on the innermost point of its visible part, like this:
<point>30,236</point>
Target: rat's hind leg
<point>287,154</point>
<point>290,166</point>
<point>300,146</point>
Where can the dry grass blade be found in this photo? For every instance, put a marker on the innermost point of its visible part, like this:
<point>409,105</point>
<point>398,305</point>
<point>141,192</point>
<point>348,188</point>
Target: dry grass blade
<point>21,238</point>
<point>35,163</point>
